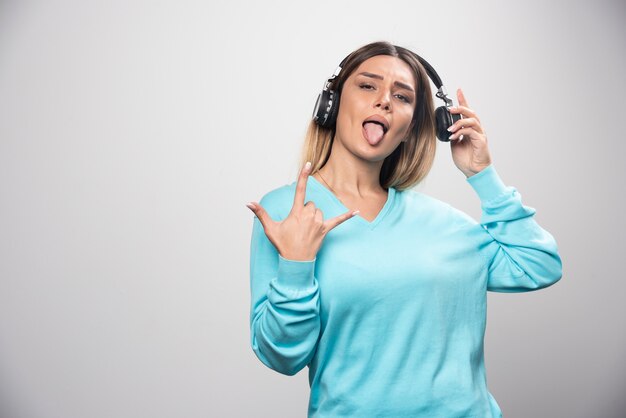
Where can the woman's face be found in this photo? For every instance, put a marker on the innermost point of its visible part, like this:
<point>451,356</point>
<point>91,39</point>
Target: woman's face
<point>384,87</point>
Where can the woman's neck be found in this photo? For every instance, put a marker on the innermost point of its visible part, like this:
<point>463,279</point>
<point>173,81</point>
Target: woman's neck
<point>346,174</point>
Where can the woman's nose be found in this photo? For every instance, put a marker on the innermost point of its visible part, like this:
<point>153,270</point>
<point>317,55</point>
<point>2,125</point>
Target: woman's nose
<point>383,101</point>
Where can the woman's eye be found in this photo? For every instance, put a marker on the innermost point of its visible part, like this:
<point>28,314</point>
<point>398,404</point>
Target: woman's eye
<point>370,87</point>
<point>404,99</point>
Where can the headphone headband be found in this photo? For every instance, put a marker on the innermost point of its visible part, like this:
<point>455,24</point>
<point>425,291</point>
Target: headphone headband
<point>430,71</point>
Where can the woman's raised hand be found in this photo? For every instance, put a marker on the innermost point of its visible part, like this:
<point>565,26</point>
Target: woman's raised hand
<point>471,154</point>
<point>299,236</point>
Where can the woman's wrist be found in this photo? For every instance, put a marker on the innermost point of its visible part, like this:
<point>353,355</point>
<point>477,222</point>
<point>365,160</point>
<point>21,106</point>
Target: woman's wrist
<point>298,257</point>
<point>470,173</point>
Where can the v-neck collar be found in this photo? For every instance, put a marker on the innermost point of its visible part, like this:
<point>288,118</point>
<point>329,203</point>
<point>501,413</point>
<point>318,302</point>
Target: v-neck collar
<point>391,194</point>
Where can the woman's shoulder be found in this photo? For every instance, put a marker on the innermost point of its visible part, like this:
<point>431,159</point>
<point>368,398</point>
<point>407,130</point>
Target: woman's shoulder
<point>419,202</point>
<point>279,201</point>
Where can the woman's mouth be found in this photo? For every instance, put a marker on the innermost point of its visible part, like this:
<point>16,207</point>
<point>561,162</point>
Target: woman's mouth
<point>373,132</point>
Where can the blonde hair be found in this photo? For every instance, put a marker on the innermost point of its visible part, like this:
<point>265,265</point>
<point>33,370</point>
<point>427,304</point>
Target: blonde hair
<point>411,161</point>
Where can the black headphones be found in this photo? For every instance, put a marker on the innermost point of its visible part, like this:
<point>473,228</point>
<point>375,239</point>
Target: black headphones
<point>327,104</point>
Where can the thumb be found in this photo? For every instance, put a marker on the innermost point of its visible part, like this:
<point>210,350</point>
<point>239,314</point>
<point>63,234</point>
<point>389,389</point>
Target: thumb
<point>260,212</point>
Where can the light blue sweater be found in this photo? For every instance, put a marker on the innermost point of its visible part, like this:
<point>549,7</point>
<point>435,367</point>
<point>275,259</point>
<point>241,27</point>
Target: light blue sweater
<point>390,316</point>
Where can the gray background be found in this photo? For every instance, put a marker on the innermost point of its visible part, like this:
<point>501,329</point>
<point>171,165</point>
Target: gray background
<point>132,133</point>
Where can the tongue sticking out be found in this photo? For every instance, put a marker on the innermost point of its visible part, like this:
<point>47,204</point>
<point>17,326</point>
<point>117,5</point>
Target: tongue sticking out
<point>373,132</point>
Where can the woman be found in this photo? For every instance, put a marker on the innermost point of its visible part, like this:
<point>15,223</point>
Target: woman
<point>386,305</point>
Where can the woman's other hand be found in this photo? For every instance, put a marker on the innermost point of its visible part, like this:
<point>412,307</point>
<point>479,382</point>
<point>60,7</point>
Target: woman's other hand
<point>470,154</point>
<point>299,236</point>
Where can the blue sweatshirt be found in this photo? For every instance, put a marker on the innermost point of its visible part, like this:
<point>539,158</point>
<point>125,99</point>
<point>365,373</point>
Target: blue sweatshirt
<point>390,316</point>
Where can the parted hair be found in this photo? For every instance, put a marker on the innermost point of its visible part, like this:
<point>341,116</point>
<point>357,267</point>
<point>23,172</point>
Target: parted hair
<point>411,161</point>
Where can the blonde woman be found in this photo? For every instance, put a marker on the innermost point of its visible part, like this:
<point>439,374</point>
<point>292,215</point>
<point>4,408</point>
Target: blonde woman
<point>378,289</point>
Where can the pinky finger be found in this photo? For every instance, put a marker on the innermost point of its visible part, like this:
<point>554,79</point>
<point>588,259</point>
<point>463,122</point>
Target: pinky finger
<point>331,223</point>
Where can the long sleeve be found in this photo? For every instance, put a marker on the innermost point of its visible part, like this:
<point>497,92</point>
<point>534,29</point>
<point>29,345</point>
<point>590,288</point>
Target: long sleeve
<point>284,314</point>
<point>522,256</point>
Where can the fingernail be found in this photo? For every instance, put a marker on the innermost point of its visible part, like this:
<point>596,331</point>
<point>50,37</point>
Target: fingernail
<point>250,205</point>
<point>307,165</point>
<point>451,129</point>
<point>451,136</point>
<point>356,212</point>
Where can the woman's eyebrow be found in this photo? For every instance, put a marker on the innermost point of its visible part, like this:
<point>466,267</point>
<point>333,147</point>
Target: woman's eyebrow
<point>380,77</point>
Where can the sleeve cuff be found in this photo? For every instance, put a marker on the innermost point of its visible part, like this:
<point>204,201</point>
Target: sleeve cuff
<point>487,183</point>
<point>295,273</point>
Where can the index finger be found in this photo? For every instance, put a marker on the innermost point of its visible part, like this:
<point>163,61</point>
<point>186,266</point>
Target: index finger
<point>298,200</point>
<point>461,97</point>
<point>463,108</point>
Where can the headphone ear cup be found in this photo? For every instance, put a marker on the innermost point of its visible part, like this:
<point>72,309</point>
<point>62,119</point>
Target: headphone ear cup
<point>444,119</point>
<point>334,110</point>
<point>325,109</point>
